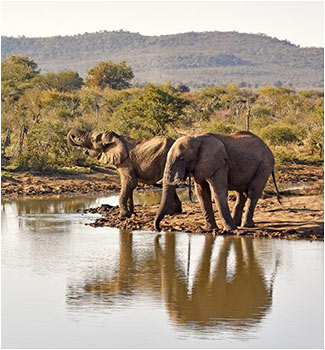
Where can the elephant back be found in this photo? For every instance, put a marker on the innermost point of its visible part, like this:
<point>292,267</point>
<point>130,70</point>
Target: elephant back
<point>149,158</point>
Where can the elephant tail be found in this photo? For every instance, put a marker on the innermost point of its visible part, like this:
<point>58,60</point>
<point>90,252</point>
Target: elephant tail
<point>278,197</point>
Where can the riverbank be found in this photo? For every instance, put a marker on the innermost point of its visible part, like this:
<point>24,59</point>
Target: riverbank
<point>302,178</point>
<point>24,184</point>
<point>301,215</point>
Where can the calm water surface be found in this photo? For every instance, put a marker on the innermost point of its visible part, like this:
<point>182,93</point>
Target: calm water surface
<point>68,285</point>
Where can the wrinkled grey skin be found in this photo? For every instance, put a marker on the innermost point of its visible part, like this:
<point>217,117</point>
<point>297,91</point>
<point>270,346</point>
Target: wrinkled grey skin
<point>241,162</point>
<point>135,162</point>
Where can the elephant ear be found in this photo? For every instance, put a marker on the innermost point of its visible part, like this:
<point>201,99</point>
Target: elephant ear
<point>113,148</point>
<point>212,156</point>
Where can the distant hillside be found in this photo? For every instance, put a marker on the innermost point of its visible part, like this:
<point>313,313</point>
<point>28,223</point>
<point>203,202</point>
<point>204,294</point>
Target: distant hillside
<point>195,59</point>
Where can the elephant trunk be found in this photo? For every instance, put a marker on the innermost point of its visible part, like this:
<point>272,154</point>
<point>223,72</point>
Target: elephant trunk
<point>166,199</point>
<point>78,138</point>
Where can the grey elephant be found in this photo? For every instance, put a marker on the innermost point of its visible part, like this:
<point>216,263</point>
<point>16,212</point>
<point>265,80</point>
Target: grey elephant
<point>135,162</point>
<point>240,161</point>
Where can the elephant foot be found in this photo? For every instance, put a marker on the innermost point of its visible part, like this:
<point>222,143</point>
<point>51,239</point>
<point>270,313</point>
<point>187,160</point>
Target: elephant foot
<point>178,210</point>
<point>249,224</point>
<point>125,213</point>
<point>229,228</point>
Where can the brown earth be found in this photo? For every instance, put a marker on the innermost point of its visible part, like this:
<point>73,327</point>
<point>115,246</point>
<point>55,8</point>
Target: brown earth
<point>301,215</point>
<point>297,217</point>
<point>24,184</point>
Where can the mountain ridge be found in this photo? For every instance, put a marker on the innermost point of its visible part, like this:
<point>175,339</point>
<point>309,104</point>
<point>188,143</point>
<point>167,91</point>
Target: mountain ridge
<point>196,59</point>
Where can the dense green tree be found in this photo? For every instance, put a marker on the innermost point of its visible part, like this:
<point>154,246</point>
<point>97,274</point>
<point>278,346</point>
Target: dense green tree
<point>18,69</point>
<point>16,75</point>
<point>153,112</point>
<point>63,81</point>
<point>116,76</point>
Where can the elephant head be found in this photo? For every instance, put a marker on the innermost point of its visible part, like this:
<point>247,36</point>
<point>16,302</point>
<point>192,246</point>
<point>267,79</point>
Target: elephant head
<point>200,156</point>
<point>108,147</point>
<point>79,138</point>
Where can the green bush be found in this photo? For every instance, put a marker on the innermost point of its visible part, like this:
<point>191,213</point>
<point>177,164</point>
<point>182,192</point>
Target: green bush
<point>220,127</point>
<point>279,135</point>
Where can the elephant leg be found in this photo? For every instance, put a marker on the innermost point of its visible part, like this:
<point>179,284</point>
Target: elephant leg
<point>131,203</point>
<point>123,201</point>
<point>239,207</point>
<point>126,199</point>
<point>255,190</point>
<point>219,186</point>
<point>204,197</point>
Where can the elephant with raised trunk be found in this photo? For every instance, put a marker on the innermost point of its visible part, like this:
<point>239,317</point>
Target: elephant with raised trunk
<point>135,162</point>
<point>240,161</point>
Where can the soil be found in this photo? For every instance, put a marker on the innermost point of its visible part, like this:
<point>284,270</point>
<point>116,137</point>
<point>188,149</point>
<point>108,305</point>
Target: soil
<point>297,217</point>
<point>300,216</point>
<point>99,180</point>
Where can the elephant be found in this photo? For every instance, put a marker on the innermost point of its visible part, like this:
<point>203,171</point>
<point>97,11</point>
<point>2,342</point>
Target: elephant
<point>135,162</point>
<point>241,162</point>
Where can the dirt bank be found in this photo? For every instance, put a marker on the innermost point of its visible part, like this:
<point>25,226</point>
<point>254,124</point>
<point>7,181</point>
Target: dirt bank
<point>101,180</point>
<point>298,217</point>
<point>24,184</point>
<point>301,215</point>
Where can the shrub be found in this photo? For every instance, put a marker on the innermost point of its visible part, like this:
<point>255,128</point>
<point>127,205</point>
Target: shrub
<point>279,135</point>
<point>220,127</point>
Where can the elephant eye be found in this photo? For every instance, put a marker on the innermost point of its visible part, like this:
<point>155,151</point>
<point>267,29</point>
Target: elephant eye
<point>181,158</point>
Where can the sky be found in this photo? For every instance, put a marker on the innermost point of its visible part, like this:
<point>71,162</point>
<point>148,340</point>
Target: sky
<point>300,22</point>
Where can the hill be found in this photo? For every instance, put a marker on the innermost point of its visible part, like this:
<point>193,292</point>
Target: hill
<point>194,59</point>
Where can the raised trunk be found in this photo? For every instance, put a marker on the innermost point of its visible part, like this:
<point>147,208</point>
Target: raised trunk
<point>79,138</point>
<point>166,200</point>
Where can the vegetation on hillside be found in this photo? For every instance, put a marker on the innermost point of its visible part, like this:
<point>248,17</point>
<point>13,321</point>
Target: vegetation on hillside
<point>195,59</point>
<point>38,110</point>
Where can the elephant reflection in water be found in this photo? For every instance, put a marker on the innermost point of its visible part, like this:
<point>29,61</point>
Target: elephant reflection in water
<point>133,272</point>
<point>241,301</point>
<point>125,275</point>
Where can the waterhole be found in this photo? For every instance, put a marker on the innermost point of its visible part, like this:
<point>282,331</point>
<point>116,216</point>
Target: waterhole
<point>68,285</point>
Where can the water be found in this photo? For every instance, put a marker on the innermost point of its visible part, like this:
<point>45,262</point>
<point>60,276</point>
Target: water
<point>69,285</point>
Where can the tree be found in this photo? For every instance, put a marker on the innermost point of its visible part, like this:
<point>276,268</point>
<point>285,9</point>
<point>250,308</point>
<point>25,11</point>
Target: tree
<point>109,74</point>
<point>152,113</point>
<point>16,74</point>
<point>18,69</point>
<point>62,82</point>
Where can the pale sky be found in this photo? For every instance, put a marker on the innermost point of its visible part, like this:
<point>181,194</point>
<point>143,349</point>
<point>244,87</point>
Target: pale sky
<point>300,22</point>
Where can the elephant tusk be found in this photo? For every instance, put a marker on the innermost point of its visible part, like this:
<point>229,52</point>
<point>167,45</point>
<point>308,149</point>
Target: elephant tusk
<point>160,182</point>
<point>175,182</point>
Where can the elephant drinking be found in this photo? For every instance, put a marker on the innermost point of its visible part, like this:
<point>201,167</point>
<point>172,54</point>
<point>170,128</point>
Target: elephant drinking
<point>240,161</point>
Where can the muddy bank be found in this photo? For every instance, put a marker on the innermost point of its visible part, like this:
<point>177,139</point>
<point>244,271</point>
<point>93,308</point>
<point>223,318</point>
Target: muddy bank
<point>300,217</point>
<point>105,180</point>
<point>100,180</point>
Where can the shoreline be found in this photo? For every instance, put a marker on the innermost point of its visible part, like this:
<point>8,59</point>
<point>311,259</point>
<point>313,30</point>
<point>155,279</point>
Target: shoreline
<point>300,217</point>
